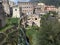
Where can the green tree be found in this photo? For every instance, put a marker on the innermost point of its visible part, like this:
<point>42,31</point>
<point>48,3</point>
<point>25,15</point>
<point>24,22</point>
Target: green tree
<point>51,2</point>
<point>49,31</point>
<point>31,33</point>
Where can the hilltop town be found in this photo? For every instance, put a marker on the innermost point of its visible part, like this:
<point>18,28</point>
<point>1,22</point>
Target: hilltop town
<point>30,10</point>
<point>28,18</point>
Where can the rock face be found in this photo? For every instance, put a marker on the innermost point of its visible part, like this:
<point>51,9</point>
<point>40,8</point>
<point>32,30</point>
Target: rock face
<point>33,20</point>
<point>27,7</point>
<point>6,7</point>
<point>2,15</point>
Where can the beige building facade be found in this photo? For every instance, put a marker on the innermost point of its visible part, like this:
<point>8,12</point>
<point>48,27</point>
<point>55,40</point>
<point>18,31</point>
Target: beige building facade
<point>27,7</point>
<point>39,8</point>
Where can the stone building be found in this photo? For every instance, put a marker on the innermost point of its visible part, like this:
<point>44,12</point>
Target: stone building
<point>16,12</point>
<point>39,8</point>
<point>2,15</point>
<point>50,8</point>
<point>6,7</point>
<point>33,20</point>
<point>27,7</point>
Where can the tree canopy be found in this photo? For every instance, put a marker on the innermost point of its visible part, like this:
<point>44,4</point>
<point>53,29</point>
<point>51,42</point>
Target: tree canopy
<point>48,2</point>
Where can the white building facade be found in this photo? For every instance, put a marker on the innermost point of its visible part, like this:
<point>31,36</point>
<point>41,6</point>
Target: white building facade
<point>16,12</point>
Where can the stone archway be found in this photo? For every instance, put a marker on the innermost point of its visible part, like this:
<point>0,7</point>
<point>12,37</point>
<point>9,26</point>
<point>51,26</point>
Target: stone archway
<point>0,23</point>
